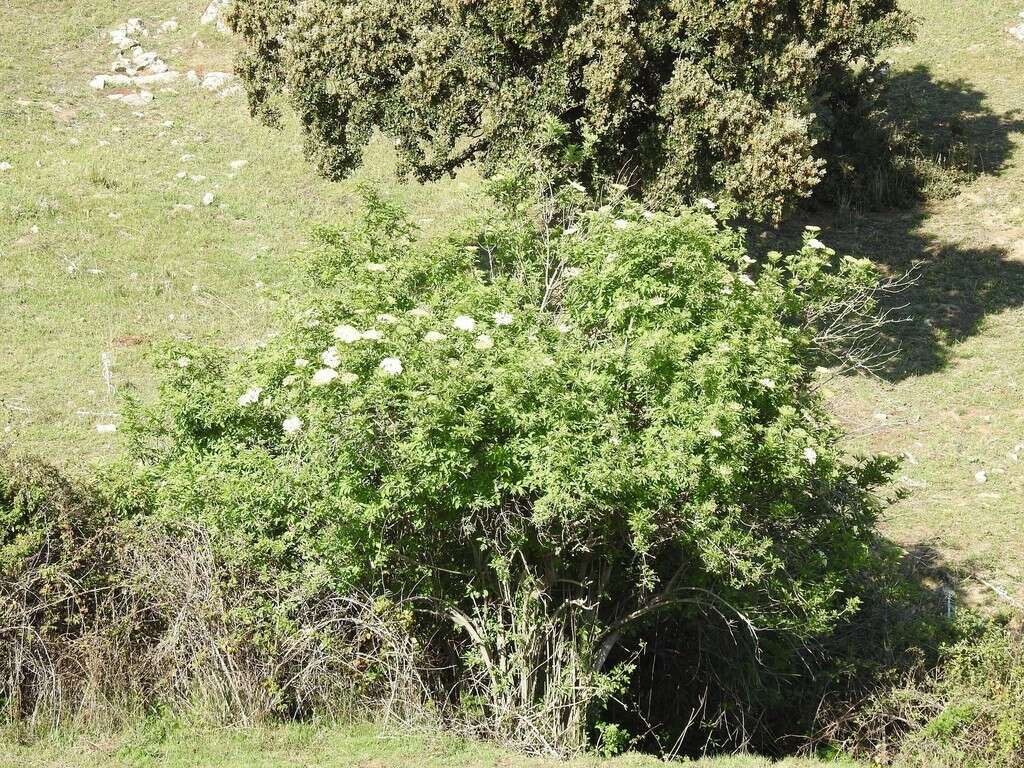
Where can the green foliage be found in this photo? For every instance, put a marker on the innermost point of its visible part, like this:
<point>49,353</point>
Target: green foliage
<point>613,739</point>
<point>728,99</point>
<point>548,430</point>
<point>980,685</point>
<point>52,531</point>
<point>58,549</point>
<point>964,710</point>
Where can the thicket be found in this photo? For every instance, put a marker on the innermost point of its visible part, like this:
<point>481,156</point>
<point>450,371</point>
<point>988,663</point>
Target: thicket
<point>542,438</point>
<point>561,479</point>
<point>107,614</point>
<point>963,709</point>
<point>745,103</point>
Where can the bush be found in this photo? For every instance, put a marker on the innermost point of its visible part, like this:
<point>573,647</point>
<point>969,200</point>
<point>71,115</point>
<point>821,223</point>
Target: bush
<point>546,433</point>
<point>965,711</point>
<point>105,614</point>
<point>58,547</point>
<point>729,99</point>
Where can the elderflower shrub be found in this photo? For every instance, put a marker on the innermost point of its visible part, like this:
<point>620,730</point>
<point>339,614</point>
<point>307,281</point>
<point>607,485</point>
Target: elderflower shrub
<point>611,416</point>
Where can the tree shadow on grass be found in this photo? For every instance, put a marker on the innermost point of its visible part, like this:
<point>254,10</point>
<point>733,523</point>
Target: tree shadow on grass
<point>955,138</point>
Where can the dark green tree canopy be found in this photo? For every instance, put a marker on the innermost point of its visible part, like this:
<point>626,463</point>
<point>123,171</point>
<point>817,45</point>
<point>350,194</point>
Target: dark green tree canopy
<point>734,100</point>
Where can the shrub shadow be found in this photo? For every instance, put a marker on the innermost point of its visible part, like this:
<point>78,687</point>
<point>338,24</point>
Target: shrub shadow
<point>957,138</point>
<point>787,695</point>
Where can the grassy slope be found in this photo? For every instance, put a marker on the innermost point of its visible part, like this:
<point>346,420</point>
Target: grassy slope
<point>955,402</point>
<point>291,747</point>
<point>955,405</point>
<point>212,272</point>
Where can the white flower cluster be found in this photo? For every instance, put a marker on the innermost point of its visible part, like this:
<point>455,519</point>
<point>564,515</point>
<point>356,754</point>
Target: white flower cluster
<point>389,366</point>
<point>392,366</point>
<point>250,397</point>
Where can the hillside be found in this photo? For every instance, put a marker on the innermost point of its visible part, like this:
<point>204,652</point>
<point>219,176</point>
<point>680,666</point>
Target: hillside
<point>107,248</point>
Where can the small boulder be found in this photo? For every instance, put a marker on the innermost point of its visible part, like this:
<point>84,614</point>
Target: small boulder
<point>138,99</point>
<point>160,78</point>
<point>214,14</point>
<point>214,81</point>
<point>144,59</point>
<point>110,81</point>
<point>123,65</point>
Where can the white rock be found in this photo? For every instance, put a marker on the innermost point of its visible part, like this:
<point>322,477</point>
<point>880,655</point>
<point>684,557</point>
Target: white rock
<point>1018,32</point>
<point>180,175</point>
<point>197,178</point>
<point>237,165</point>
<point>123,65</point>
<point>157,67</point>
<point>5,166</point>
<point>106,81</point>
<point>208,198</point>
<point>184,207</point>
<point>123,39</point>
<point>138,99</point>
<point>135,27</point>
<point>214,81</point>
<point>210,14</point>
<point>106,429</point>
<point>171,25</point>
<point>167,123</point>
<point>192,77</point>
<point>214,14</point>
<point>980,476</point>
<point>161,78</point>
<point>144,59</point>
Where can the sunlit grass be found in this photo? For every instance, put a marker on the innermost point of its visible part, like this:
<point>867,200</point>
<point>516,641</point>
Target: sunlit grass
<point>101,260</point>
